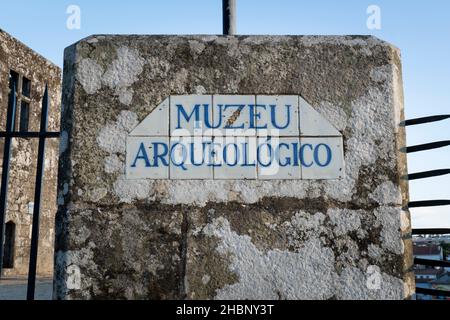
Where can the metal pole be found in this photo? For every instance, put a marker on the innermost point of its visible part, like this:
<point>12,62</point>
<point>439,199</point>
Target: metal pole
<point>229,17</point>
<point>37,199</point>
<point>10,117</point>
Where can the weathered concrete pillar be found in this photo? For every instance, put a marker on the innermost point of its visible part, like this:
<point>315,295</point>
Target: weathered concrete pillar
<point>129,229</point>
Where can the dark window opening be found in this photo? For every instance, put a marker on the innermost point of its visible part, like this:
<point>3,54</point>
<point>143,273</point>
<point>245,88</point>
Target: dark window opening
<point>26,87</point>
<point>23,99</point>
<point>10,237</point>
<point>13,80</point>
<point>24,116</point>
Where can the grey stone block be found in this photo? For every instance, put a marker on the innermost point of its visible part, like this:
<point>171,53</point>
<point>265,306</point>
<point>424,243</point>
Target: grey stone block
<point>280,239</point>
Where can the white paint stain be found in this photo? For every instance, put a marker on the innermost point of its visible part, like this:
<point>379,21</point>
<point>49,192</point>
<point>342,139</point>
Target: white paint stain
<point>113,164</point>
<point>130,190</point>
<point>112,137</point>
<point>273,274</point>
<point>345,220</point>
<point>89,74</point>
<point>390,220</point>
<point>387,194</point>
<point>119,75</point>
<point>307,273</point>
<point>123,72</point>
<point>73,278</point>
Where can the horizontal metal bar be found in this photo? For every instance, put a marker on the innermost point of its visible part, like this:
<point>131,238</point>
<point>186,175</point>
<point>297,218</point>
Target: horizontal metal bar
<point>428,203</point>
<point>16,134</point>
<point>432,292</point>
<point>432,263</point>
<point>426,146</point>
<point>430,231</point>
<point>427,174</point>
<point>423,120</point>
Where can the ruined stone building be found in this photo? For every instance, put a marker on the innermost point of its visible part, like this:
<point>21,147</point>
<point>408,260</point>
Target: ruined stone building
<point>30,72</point>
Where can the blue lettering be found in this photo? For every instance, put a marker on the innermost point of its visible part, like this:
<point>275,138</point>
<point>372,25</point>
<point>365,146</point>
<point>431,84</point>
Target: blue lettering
<point>219,117</point>
<point>316,155</point>
<point>181,111</point>
<point>141,155</point>
<point>193,153</point>
<point>180,164</point>
<point>236,152</point>
<point>302,155</point>
<point>269,148</point>
<point>212,154</point>
<point>255,115</point>
<point>295,148</point>
<point>160,156</point>
<point>245,156</point>
<point>273,115</point>
<point>277,152</point>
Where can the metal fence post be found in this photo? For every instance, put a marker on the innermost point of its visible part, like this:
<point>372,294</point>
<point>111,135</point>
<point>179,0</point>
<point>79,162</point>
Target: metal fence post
<point>37,198</point>
<point>229,17</point>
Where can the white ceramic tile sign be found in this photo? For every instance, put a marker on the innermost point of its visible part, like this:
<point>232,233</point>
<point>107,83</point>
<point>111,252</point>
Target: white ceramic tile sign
<point>234,137</point>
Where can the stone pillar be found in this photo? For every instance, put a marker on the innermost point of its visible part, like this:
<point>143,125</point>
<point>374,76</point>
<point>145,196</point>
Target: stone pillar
<point>318,237</point>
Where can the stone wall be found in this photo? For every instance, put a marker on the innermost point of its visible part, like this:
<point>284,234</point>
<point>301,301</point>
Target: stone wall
<point>17,57</point>
<point>232,239</point>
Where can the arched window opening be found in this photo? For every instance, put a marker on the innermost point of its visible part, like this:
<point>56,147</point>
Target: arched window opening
<point>10,237</point>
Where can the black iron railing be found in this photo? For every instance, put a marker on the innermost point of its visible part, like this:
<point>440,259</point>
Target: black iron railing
<point>429,203</point>
<point>427,174</point>
<point>8,135</point>
<point>433,292</point>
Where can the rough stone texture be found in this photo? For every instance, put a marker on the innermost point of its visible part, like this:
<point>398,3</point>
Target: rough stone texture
<point>17,57</point>
<point>335,239</point>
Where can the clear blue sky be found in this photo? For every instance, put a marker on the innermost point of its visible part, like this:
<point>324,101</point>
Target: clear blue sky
<point>421,29</point>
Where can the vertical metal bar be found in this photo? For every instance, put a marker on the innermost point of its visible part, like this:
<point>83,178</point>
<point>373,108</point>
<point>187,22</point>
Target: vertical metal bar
<point>37,199</point>
<point>10,117</point>
<point>229,17</point>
